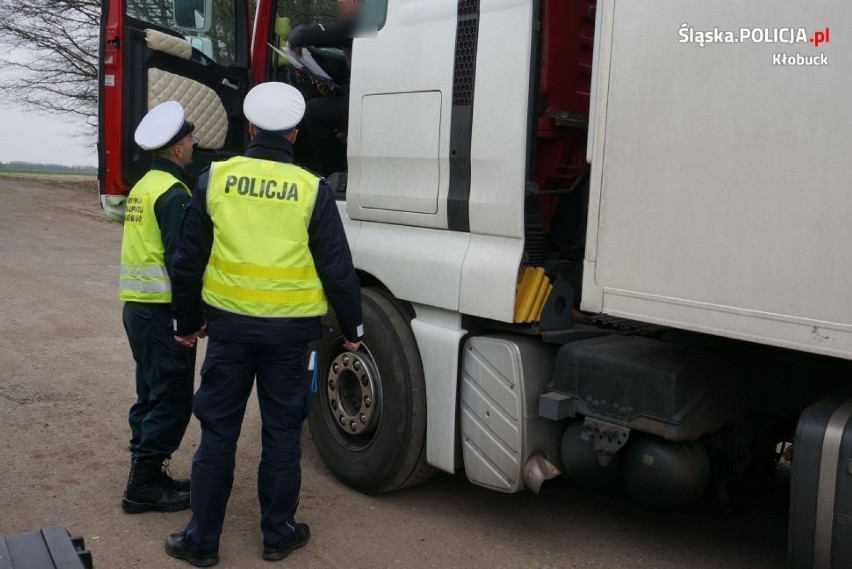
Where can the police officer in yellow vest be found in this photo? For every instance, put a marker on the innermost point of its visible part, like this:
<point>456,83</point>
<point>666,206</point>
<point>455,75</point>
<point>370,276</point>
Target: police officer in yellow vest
<point>263,246</point>
<point>164,369</point>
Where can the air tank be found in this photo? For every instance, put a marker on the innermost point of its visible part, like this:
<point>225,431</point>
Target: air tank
<point>665,475</point>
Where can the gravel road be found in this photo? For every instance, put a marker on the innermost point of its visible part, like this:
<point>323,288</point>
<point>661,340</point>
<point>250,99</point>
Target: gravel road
<point>66,383</point>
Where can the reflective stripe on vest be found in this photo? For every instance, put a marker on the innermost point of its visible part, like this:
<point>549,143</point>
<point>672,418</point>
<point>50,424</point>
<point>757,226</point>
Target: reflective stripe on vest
<point>261,264</point>
<point>143,269</point>
<point>145,286</point>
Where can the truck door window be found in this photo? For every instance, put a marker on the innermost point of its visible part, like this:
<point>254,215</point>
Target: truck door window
<point>306,11</point>
<point>372,15</point>
<point>209,25</point>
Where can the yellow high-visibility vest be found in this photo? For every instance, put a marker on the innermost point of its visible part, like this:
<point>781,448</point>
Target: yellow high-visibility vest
<point>143,269</point>
<point>260,263</point>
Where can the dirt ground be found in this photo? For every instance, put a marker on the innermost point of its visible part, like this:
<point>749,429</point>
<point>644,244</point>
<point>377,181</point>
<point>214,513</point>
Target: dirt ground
<point>66,383</point>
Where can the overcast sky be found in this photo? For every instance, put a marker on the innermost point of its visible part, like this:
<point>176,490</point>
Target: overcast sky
<point>33,137</point>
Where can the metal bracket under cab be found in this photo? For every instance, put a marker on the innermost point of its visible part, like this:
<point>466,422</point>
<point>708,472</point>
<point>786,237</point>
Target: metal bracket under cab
<point>607,438</point>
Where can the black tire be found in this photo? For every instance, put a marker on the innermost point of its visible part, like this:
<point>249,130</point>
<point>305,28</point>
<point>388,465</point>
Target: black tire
<point>393,455</point>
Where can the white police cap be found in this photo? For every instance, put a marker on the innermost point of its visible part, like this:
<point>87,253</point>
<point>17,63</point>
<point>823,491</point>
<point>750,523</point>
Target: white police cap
<point>163,126</point>
<point>274,107</point>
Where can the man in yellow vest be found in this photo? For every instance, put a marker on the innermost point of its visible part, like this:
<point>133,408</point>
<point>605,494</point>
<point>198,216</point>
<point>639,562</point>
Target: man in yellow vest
<point>263,246</point>
<point>164,369</point>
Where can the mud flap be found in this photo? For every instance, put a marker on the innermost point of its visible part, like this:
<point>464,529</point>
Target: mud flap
<point>821,488</point>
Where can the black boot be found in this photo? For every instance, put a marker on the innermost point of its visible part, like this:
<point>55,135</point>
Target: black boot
<point>179,484</point>
<point>146,491</point>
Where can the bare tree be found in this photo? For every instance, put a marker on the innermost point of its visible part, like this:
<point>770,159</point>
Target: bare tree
<point>50,55</point>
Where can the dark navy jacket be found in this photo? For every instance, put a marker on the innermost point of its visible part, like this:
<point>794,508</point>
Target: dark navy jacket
<point>169,207</point>
<point>338,33</point>
<point>327,241</point>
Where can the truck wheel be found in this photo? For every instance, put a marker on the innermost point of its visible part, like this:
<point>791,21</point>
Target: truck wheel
<point>369,416</point>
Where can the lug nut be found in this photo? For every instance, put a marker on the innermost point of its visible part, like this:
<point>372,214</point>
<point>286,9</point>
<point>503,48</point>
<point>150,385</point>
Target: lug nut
<point>363,419</point>
<point>353,426</point>
<point>357,366</point>
<point>346,360</point>
<point>331,385</point>
<point>364,381</point>
<point>368,401</point>
<point>336,368</point>
<point>334,404</point>
<point>342,421</point>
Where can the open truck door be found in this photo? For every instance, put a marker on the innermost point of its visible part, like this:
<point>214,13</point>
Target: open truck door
<point>196,52</point>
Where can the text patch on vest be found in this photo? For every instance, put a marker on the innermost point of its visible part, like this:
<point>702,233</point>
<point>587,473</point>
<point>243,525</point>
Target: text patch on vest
<point>261,188</point>
<point>135,208</point>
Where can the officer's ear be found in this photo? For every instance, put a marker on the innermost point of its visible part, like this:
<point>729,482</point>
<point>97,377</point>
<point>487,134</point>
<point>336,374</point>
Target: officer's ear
<point>294,134</point>
<point>252,130</point>
<point>176,151</point>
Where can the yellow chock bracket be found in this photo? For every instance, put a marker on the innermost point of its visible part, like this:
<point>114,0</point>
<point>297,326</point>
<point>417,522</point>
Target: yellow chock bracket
<point>533,289</point>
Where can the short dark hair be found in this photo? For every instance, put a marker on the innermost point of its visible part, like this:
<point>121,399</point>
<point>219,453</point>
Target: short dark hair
<point>282,133</point>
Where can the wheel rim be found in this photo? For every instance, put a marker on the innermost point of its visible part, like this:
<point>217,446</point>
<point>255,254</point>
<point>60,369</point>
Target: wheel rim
<point>352,396</point>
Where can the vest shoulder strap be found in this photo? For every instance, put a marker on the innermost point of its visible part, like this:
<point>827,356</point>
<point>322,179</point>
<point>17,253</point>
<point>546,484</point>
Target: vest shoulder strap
<point>157,182</point>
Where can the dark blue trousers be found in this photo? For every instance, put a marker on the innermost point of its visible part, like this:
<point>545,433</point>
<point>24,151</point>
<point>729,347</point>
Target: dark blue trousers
<point>283,391</point>
<point>165,374</point>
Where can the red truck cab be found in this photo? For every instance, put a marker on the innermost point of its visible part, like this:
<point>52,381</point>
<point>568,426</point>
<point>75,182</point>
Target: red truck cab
<point>206,54</point>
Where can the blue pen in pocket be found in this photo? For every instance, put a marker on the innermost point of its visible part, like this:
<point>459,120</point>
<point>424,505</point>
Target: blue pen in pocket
<point>312,367</point>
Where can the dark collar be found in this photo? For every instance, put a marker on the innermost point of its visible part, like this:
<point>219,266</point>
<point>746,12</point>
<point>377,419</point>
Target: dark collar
<point>173,169</point>
<point>267,147</point>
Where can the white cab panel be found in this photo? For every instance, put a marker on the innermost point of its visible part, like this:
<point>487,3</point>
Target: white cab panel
<point>400,152</point>
<point>415,264</point>
<point>439,334</point>
<point>501,118</point>
<point>720,196</point>
<point>498,159</point>
<point>413,54</point>
<point>399,147</point>
<point>489,280</point>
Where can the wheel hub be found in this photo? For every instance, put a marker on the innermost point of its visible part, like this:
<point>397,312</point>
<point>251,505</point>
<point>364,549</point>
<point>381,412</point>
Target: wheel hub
<point>353,393</point>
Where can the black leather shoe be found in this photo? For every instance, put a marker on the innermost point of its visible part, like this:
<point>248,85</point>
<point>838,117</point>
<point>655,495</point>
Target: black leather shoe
<point>289,545</point>
<point>179,547</point>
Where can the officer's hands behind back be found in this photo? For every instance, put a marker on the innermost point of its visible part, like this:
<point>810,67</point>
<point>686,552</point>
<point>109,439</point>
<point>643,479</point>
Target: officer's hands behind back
<point>351,346</point>
<point>190,340</point>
